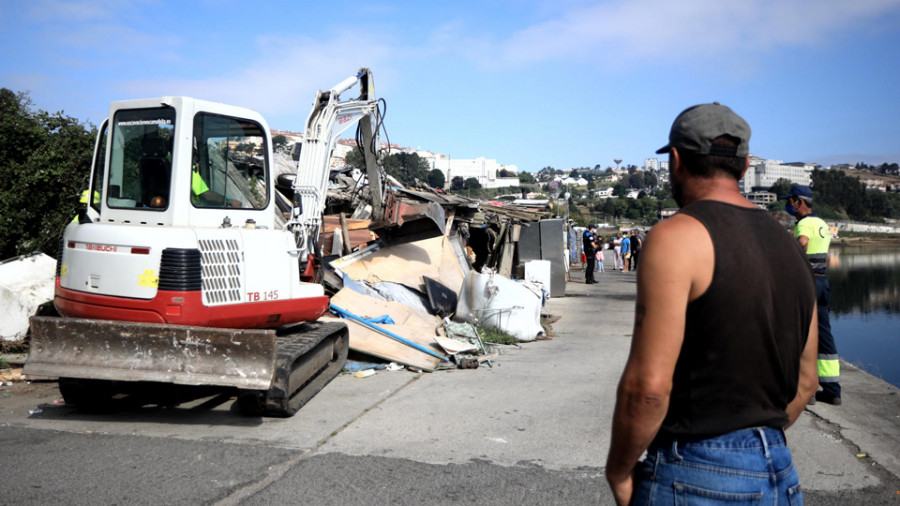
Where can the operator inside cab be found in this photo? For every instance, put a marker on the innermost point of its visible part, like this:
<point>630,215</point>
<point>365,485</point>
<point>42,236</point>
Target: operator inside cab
<point>201,194</point>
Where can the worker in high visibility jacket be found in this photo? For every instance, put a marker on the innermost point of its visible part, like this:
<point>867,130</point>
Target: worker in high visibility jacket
<point>814,237</point>
<point>85,196</point>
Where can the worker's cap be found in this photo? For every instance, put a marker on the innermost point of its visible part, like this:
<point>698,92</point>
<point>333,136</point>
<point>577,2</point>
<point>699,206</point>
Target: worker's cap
<point>798,190</point>
<point>697,127</point>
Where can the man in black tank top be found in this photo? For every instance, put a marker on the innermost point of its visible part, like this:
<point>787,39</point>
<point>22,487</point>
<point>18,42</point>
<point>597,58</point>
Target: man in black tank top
<point>723,354</point>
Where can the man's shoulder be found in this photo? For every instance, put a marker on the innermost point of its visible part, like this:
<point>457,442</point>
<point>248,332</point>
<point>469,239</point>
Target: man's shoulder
<point>679,227</point>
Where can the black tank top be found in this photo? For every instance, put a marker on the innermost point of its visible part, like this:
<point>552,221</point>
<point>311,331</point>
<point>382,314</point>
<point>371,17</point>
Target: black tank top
<point>739,363</point>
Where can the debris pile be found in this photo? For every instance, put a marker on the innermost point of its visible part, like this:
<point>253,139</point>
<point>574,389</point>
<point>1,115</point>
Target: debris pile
<point>420,304</point>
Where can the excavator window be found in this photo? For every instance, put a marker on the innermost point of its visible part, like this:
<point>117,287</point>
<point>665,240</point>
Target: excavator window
<point>229,163</point>
<point>99,167</point>
<point>140,172</point>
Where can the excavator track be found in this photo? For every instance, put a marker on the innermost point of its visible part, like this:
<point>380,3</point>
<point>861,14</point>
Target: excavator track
<point>309,356</point>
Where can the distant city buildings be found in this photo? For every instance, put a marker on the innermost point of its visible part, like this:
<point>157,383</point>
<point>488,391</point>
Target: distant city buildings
<point>488,172</point>
<point>762,174</point>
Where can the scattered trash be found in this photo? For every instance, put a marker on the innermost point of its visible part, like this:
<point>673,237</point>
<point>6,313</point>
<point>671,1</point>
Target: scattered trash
<point>394,367</point>
<point>35,411</point>
<point>862,455</point>
<point>501,303</point>
<point>355,366</point>
<point>475,362</point>
<point>365,374</point>
<point>59,401</point>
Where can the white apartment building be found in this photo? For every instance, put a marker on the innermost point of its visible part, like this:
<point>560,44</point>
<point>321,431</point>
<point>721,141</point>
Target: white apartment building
<point>483,169</point>
<point>651,164</point>
<point>762,174</point>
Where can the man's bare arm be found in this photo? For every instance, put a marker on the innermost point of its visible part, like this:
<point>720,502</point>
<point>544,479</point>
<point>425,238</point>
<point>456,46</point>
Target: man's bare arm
<point>809,375</point>
<point>674,253</point>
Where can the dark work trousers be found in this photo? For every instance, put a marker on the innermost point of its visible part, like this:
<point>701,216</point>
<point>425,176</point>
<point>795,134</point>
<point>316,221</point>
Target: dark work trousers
<point>634,259</point>
<point>828,365</point>
<point>589,265</point>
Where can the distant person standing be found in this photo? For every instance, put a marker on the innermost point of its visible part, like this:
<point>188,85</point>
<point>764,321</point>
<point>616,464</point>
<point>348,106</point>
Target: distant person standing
<point>814,237</point>
<point>590,243</point>
<point>617,252</point>
<point>599,254</point>
<point>626,252</point>
<point>636,242</point>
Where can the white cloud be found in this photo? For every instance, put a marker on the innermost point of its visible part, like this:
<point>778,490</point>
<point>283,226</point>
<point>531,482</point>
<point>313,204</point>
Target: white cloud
<point>283,81</point>
<point>662,30</point>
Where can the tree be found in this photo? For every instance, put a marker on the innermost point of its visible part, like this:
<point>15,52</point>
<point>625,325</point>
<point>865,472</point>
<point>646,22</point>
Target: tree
<point>436,179</point>
<point>355,158</point>
<point>45,162</point>
<point>279,143</point>
<point>546,173</point>
<point>781,186</point>
<point>472,184</point>
<point>457,183</point>
<point>406,167</point>
<point>526,177</point>
<point>502,173</point>
<point>636,180</point>
<point>620,190</point>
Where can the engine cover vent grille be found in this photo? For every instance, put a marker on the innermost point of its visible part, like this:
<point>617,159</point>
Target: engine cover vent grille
<point>221,260</point>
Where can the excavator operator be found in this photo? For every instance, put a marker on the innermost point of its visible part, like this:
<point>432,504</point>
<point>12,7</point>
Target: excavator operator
<point>201,194</point>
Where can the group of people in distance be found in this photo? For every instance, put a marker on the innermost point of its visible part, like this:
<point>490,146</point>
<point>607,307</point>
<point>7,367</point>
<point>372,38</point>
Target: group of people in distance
<point>626,250</point>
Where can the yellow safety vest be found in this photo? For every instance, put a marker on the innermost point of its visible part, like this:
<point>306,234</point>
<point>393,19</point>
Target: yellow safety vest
<point>816,230</point>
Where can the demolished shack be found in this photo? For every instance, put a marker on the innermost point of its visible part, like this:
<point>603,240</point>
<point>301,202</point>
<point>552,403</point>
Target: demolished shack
<point>495,266</point>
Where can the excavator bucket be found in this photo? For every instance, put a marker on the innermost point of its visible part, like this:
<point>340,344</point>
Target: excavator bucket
<point>408,220</point>
<point>128,351</point>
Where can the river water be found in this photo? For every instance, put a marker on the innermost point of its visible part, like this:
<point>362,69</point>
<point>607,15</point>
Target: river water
<point>865,307</point>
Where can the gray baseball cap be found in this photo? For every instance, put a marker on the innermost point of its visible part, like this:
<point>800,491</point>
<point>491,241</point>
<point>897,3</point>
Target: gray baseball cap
<point>696,128</point>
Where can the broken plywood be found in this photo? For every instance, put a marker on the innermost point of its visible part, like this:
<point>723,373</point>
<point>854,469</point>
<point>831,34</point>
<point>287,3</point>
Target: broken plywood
<point>407,263</point>
<point>371,342</point>
<point>409,323</point>
<point>358,230</point>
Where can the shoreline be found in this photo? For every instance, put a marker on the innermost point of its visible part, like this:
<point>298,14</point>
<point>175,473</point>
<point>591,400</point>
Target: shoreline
<point>855,241</point>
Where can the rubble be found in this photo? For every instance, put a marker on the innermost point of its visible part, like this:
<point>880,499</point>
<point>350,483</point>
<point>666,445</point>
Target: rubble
<point>495,267</point>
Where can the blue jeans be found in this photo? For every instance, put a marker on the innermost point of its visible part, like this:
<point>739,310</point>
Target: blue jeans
<point>748,466</point>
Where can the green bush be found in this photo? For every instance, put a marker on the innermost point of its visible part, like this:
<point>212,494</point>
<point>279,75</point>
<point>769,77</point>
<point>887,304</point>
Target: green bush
<point>45,162</point>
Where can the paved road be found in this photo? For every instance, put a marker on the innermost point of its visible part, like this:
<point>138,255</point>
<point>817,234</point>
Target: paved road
<point>533,429</point>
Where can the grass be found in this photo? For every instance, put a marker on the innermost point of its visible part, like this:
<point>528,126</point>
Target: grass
<point>495,336</point>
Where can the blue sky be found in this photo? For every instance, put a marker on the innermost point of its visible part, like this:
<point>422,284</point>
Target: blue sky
<point>533,83</point>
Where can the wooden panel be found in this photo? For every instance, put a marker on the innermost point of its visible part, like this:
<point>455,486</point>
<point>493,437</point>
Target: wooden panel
<point>407,263</point>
